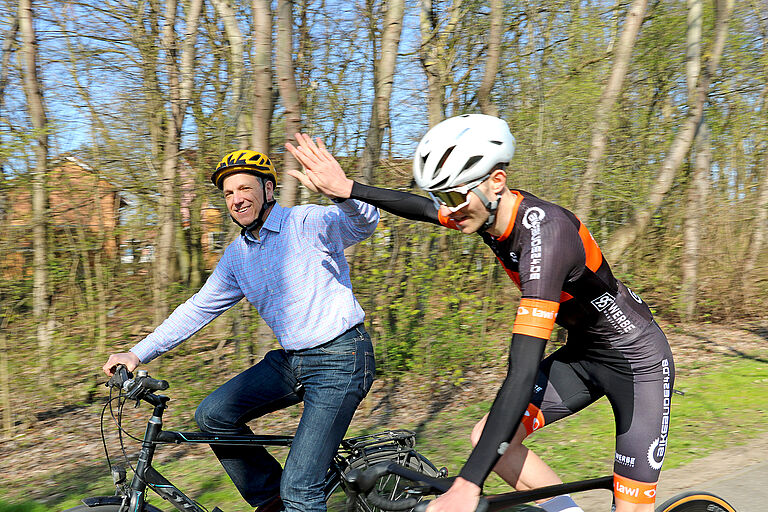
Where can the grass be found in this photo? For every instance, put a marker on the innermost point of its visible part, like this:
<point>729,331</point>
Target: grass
<point>722,406</point>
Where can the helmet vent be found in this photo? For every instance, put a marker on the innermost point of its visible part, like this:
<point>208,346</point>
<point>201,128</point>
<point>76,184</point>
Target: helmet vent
<point>472,161</point>
<point>497,142</point>
<point>445,157</point>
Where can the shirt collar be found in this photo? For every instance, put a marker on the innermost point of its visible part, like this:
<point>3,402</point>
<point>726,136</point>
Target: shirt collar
<point>274,223</point>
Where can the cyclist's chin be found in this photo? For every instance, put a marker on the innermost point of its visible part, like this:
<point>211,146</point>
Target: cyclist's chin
<point>245,219</point>
<point>469,225</point>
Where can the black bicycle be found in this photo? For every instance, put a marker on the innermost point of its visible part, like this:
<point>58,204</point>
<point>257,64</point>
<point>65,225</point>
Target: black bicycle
<point>364,481</point>
<point>356,453</point>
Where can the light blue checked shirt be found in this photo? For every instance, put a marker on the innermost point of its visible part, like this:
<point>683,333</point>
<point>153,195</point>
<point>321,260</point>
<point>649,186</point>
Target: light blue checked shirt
<point>296,276</point>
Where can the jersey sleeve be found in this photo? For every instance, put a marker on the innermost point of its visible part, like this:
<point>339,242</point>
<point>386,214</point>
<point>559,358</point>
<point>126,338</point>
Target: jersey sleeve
<point>525,353</point>
<point>402,204</point>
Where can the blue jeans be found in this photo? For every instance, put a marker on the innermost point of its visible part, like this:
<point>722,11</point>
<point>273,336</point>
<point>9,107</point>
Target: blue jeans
<point>336,376</point>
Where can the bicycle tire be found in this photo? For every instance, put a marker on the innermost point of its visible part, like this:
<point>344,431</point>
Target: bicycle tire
<point>695,502</point>
<point>392,486</point>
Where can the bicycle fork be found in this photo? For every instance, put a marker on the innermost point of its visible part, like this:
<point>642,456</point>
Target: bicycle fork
<point>144,464</point>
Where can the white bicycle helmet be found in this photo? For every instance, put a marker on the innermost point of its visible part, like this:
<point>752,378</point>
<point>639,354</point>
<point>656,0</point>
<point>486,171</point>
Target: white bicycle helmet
<point>462,151</point>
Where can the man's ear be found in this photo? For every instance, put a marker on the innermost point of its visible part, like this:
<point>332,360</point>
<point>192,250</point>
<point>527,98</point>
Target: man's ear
<point>269,188</point>
<point>498,181</point>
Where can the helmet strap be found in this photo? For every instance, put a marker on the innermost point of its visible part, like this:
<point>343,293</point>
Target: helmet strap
<point>491,206</point>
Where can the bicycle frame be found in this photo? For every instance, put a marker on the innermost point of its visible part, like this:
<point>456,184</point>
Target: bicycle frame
<point>499,502</point>
<point>145,476</point>
<point>495,502</point>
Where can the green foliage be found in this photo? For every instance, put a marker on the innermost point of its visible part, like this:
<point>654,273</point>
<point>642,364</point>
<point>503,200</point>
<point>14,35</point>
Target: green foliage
<point>432,310</point>
<point>23,506</point>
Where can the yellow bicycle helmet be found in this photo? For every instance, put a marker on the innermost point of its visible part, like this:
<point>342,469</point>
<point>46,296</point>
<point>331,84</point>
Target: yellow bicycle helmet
<point>244,160</point>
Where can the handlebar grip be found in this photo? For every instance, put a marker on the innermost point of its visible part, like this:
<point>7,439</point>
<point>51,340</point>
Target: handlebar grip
<point>119,377</point>
<point>154,384</point>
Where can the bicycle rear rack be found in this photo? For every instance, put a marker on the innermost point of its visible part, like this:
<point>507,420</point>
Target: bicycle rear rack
<point>399,440</point>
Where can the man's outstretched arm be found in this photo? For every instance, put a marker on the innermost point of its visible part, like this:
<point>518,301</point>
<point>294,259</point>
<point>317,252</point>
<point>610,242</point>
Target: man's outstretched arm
<point>323,174</point>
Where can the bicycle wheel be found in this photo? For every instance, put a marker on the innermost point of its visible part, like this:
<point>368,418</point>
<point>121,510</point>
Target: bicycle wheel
<point>695,502</point>
<point>392,486</point>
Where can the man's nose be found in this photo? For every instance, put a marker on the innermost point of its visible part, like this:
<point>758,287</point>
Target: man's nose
<point>237,197</point>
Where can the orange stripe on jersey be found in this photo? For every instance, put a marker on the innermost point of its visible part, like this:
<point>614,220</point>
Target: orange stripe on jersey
<point>633,491</point>
<point>593,254</point>
<point>536,318</point>
<point>514,276</point>
<point>515,206</point>
<point>533,419</point>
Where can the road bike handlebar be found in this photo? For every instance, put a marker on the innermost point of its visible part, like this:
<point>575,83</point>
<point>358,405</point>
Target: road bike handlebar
<point>363,481</point>
<point>135,387</point>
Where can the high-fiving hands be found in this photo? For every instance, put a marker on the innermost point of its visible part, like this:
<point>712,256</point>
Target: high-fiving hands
<point>322,173</point>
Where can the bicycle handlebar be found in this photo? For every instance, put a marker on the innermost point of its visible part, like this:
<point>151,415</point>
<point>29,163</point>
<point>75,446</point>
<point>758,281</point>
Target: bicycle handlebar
<point>135,387</point>
<point>364,481</point>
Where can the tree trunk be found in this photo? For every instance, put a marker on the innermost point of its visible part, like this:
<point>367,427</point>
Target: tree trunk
<point>286,79</point>
<point>5,383</point>
<point>237,63</point>
<point>695,203</point>
<point>147,42</point>
<point>759,232</point>
<point>33,91</point>
<point>697,188</point>
<point>681,144</point>
<point>262,75</point>
<point>180,92</point>
<point>428,55</point>
<point>608,98</point>
<point>384,77</point>
<point>5,67</point>
<point>492,61</point>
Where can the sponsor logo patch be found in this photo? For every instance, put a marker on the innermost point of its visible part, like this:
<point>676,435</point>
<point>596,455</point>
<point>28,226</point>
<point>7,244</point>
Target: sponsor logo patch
<point>532,221</point>
<point>659,445</point>
<point>625,460</point>
<point>606,303</point>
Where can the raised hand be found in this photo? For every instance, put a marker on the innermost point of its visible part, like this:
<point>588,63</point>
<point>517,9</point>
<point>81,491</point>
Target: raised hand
<point>322,173</point>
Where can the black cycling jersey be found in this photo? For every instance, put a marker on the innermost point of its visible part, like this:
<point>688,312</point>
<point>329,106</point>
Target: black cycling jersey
<point>564,279</point>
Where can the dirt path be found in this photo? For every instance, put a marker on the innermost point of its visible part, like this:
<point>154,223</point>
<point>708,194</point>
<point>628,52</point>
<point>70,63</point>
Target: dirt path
<point>738,474</point>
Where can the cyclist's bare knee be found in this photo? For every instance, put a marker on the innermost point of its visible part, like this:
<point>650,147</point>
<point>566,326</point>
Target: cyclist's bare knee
<point>626,506</point>
<point>474,437</point>
<point>517,439</point>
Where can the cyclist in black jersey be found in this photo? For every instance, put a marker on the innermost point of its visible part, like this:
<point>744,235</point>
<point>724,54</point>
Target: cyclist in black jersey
<point>614,347</point>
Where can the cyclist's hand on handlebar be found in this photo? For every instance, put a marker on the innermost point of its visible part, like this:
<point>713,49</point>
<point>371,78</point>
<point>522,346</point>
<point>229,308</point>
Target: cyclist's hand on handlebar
<point>127,359</point>
<point>463,496</point>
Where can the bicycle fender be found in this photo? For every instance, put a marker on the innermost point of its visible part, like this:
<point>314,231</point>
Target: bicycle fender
<point>95,501</point>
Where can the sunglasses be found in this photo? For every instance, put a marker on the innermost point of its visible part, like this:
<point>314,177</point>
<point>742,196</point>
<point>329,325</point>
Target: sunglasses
<point>454,199</point>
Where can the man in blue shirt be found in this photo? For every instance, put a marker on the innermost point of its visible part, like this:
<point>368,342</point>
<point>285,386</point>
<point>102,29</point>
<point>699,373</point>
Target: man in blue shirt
<point>289,264</point>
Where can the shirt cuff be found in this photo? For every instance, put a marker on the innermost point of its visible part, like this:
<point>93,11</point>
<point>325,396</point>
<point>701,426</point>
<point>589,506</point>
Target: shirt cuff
<point>144,354</point>
<point>350,206</point>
